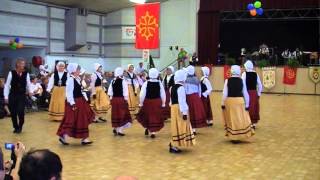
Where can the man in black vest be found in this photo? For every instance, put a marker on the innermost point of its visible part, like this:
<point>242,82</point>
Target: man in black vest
<point>17,84</point>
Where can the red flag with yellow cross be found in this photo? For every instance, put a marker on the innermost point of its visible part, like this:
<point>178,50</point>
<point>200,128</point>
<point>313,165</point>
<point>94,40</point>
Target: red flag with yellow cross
<point>147,26</point>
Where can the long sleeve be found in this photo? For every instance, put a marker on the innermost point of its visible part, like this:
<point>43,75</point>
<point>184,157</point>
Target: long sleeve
<point>245,93</point>
<point>225,91</point>
<point>209,88</point>
<point>7,86</point>
<point>51,83</point>
<point>125,90</point>
<point>182,101</point>
<point>92,83</point>
<point>143,93</point>
<point>162,94</point>
<point>259,84</point>
<point>28,83</point>
<point>69,91</point>
<point>110,89</point>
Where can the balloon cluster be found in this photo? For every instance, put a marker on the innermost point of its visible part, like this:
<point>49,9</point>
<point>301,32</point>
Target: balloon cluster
<point>15,44</point>
<point>255,8</point>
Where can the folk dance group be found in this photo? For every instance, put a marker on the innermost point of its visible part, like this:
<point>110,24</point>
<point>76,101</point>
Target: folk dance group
<point>180,96</point>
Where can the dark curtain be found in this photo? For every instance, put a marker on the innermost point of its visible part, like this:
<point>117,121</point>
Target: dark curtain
<point>209,21</point>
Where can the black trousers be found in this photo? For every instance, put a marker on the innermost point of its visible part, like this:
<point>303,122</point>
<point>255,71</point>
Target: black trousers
<point>17,103</point>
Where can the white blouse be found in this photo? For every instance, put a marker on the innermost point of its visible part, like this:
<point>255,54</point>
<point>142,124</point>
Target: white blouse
<point>259,84</point>
<point>207,83</point>
<point>51,81</point>
<point>143,92</point>
<point>124,89</point>
<point>244,92</point>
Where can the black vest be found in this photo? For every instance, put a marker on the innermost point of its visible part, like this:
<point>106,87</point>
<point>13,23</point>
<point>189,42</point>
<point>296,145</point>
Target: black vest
<point>18,83</point>
<point>117,87</point>
<point>167,85</point>
<point>63,79</point>
<point>251,80</point>
<point>98,81</point>
<point>153,90</point>
<point>77,89</point>
<point>235,87</point>
<point>174,93</point>
<point>203,86</point>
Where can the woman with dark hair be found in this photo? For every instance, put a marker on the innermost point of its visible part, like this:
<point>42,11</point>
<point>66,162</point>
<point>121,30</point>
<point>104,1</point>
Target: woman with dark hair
<point>78,115</point>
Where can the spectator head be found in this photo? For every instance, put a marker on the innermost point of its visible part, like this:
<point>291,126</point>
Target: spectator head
<point>33,79</point>
<point>40,165</point>
<point>140,64</point>
<point>60,66</point>
<point>2,82</point>
<point>130,68</point>
<point>45,80</point>
<point>20,64</point>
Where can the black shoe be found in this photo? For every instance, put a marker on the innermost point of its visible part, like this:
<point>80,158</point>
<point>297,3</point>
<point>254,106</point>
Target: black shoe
<point>194,133</point>
<point>101,119</point>
<point>86,143</point>
<point>235,141</point>
<point>210,124</point>
<point>175,151</point>
<point>153,136</point>
<point>95,121</point>
<point>146,132</point>
<point>15,131</point>
<point>121,134</point>
<point>114,132</point>
<point>19,130</point>
<point>63,142</point>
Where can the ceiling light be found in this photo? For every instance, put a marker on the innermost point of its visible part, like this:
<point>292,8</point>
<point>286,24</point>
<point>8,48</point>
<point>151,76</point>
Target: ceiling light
<point>138,1</point>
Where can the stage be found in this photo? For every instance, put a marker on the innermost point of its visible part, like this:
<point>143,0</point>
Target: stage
<point>286,146</point>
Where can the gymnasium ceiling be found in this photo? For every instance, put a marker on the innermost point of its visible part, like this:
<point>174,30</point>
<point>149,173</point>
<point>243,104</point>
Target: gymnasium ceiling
<point>102,6</point>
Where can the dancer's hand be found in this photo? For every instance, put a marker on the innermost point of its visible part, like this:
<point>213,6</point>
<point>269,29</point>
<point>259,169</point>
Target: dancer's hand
<point>185,117</point>
<point>94,96</point>
<point>163,105</point>
<point>6,101</point>
<point>223,107</point>
<point>74,107</point>
<point>247,108</point>
<point>19,149</point>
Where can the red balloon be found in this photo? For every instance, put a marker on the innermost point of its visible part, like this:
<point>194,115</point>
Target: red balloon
<point>37,61</point>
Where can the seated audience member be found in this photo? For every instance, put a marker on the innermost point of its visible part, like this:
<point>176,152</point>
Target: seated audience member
<point>44,99</point>
<point>35,91</point>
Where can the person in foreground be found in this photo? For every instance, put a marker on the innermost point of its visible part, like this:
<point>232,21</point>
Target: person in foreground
<point>181,130</point>
<point>235,107</point>
<point>78,114</point>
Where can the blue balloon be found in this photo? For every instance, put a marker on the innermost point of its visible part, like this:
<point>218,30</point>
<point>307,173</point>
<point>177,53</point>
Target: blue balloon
<point>250,6</point>
<point>259,11</point>
<point>17,40</point>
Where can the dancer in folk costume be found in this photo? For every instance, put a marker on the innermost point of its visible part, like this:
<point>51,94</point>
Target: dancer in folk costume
<point>168,82</point>
<point>133,88</point>
<point>235,106</point>
<point>206,90</point>
<point>119,95</point>
<point>152,102</point>
<point>193,90</point>
<point>254,87</point>
<point>181,130</point>
<point>78,114</point>
<point>99,99</point>
<point>57,88</point>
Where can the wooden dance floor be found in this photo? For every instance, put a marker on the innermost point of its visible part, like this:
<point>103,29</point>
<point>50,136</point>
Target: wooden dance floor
<point>286,146</point>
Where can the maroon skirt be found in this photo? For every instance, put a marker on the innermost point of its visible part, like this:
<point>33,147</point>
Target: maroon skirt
<point>150,115</point>
<point>207,107</point>
<point>166,110</point>
<point>196,111</point>
<point>75,123</point>
<point>120,114</point>
<point>254,106</point>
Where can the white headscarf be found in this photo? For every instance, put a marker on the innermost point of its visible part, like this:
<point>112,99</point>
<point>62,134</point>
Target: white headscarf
<point>171,68</point>
<point>118,72</point>
<point>249,66</point>
<point>180,76</point>
<point>72,67</point>
<point>190,70</point>
<point>153,73</point>
<point>96,66</point>
<point>235,70</point>
<point>206,71</point>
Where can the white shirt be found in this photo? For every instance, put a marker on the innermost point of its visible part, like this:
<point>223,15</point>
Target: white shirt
<point>139,69</point>
<point>94,77</point>
<point>167,80</point>
<point>143,92</point>
<point>124,89</point>
<point>35,88</point>
<point>183,106</point>
<point>51,81</point>
<point>207,83</point>
<point>69,89</point>
<point>135,81</point>
<point>259,84</point>
<point>244,92</point>
<point>7,86</point>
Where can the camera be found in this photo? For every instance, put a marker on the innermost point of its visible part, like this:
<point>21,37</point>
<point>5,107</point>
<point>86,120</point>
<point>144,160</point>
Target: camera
<point>9,146</point>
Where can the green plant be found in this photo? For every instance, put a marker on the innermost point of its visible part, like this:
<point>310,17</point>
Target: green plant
<point>230,61</point>
<point>263,63</point>
<point>293,63</point>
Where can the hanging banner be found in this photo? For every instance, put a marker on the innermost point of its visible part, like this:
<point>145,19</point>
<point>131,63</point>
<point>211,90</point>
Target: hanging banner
<point>226,72</point>
<point>289,75</point>
<point>314,74</point>
<point>269,77</point>
<point>147,26</point>
<point>129,32</point>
